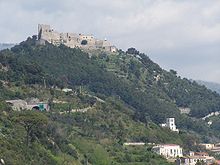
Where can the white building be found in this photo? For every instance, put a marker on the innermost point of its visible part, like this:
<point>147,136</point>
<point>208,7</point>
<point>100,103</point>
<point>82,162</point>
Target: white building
<point>170,123</point>
<point>211,147</point>
<point>194,158</point>
<point>184,110</point>
<point>207,146</point>
<point>168,150</point>
<point>209,123</point>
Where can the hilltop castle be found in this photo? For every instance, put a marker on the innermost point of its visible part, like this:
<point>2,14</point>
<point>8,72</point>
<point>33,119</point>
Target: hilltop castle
<point>73,40</point>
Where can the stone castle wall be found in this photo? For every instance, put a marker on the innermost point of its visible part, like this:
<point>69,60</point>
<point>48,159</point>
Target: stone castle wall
<point>73,40</point>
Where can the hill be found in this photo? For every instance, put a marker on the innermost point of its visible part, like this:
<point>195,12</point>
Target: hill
<point>136,96</point>
<point>137,80</point>
<point>6,46</point>
<point>210,85</point>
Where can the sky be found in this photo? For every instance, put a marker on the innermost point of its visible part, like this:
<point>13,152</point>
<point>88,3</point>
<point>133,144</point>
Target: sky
<point>183,35</point>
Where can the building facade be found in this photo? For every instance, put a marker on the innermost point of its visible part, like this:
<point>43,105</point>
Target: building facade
<point>194,157</point>
<point>207,146</point>
<point>170,123</point>
<point>168,150</point>
<point>73,40</point>
<point>18,105</point>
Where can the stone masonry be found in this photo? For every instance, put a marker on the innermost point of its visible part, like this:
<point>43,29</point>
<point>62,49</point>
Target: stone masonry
<point>72,40</point>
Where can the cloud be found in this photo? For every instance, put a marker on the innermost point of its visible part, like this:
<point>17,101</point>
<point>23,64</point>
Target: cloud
<point>177,34</point>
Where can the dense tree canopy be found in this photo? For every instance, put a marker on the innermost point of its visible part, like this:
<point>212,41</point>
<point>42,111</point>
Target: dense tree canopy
<point>128,95</point>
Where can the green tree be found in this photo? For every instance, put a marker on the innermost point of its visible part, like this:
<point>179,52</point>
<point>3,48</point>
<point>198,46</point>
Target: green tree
<point>132,51</point>
<point>173,71</point>
<point>29,120</point>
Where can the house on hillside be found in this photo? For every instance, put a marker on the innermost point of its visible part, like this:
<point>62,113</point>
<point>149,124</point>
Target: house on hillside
<point>184,110</point>
<point>207,146</point>
<point>17,105</point>
<point>170,123</point>
<point>29,104</point>
<point>216,148</point>
<point>194,157</point>
<point>211,147</point>
<point>168,150</point>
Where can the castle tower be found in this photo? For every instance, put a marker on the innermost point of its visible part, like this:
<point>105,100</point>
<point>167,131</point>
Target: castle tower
<point>43,31</point>
<point>47,34</point>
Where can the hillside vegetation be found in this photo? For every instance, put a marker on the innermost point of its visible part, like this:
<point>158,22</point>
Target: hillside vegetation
<point>136,96</point>
<point>210,85</point>
<point>137,80</point>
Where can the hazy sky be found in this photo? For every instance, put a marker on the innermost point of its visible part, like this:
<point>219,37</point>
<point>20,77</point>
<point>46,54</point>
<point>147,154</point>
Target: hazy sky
<point>177,34</point>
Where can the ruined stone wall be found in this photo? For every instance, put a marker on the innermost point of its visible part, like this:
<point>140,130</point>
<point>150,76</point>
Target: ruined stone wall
<point>72,40</point>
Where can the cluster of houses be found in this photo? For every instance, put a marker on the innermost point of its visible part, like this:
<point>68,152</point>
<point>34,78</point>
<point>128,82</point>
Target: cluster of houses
<point>194,157</point>
<point>174,152</point>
